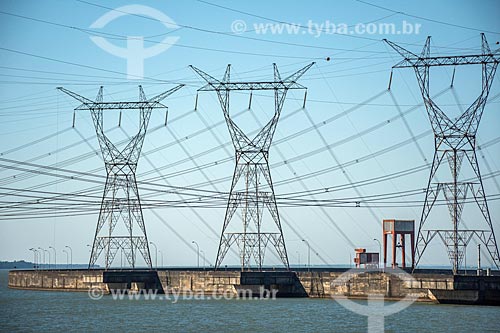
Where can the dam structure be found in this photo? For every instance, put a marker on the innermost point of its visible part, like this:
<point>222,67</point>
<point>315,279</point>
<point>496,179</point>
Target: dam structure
<point>252,191</point>
<point>430,285</point>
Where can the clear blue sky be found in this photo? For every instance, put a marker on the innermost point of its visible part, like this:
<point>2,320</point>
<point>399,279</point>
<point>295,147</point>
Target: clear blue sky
<point>46,44</point>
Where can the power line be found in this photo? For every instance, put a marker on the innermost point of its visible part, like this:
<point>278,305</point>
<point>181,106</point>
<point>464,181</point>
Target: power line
<point>240,36</point>
<point>426,19</point>
<point>75,64</point>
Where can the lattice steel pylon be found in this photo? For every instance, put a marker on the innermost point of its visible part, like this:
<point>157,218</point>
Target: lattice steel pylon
<point>120,200</point>
<point>252,163</point>
<point>454,139</point>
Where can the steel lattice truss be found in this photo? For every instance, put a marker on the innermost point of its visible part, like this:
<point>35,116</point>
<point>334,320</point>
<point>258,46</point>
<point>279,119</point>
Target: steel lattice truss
<point>252,164</point>
<point>462,239</point>
<point>120,200</point>
<point>454,140</point>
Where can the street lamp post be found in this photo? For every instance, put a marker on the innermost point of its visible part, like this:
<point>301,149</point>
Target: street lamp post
<point>34,256</point>
<point>197,251</point>
<point>67,258</point>
<point>161,256</point>
<point>39,258</point>
<point>379,252</point>
<point>71,255</point>
<point>44,262</point>
<point>298,256</point>
<point>55,256</point>
<point>156,254</point>
<point>49,260</point>
<point>308,255</point>
<point>204,260</point>
<point>42,257</point>
<point>90,251</point>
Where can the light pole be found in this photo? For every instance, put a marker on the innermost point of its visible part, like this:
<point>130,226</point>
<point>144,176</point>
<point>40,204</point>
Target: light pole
<point>44,262</point>
<point>379,252</point>
<point>161,256</point>
<point>67,258</point>
<point>34,256</point>
<point>39,258</point>
<point>71,255</point>
<point>49,260</point>
<point>298,256</point>
<point>55,256</point>
<point>198,252</point>
<point>156,254</point>
<point>88,245</point>
<point>203,256</point>
<point>308,255</point>
<point>43,256</point>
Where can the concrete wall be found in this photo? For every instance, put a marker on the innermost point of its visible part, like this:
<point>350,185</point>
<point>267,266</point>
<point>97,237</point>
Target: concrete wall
<point>326,284</point>
<point>207,281</point>
<point>313,284</point>
<point>83,280</point>
<point>60,280</point>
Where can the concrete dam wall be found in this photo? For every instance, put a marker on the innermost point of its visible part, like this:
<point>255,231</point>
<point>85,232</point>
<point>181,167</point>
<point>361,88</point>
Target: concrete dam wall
<point>428,286</point>
<point>62,280</point>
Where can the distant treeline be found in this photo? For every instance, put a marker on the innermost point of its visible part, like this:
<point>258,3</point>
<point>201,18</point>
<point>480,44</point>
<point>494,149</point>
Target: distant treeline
<point>21,264</point>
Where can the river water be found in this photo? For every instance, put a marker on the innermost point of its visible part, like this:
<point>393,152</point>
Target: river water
<point>24,310</point>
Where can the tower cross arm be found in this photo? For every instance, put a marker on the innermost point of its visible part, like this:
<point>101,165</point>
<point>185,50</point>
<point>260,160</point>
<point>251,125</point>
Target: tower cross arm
<point>121,106</point>
<point>152,103</point>
<point>407,55</point>
<point>292,78</point>
<point>210,79</point>
<point>412,60</point>
<point>271,85</point>
<point>158,98</point>
<point>289,82</point>
<point>80,98</point>
<point>477,59</point>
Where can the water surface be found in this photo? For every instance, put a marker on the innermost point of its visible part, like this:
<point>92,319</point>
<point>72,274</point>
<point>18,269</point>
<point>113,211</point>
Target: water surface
<point>24,310</point>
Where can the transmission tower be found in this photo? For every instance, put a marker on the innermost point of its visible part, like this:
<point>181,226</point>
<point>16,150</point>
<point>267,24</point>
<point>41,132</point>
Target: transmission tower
<point>454,140</point>
<point>252,166</point>
<point>120,200</point>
